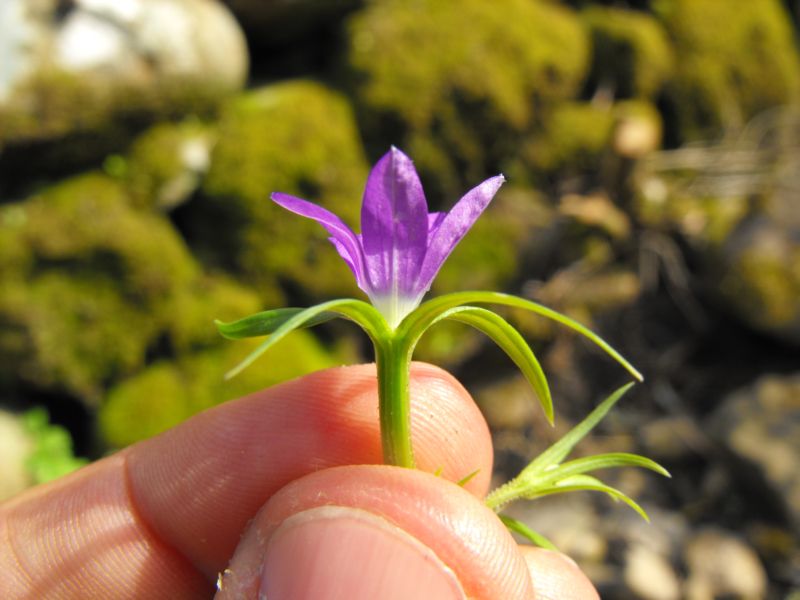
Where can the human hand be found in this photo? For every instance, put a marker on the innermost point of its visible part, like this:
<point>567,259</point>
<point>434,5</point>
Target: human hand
<point>280,493</point>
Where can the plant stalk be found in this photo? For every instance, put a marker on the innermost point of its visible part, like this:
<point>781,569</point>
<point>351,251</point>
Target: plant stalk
<point>393,359</point>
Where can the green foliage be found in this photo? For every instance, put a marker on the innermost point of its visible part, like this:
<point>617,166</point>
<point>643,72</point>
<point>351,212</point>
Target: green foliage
<point>548,474</point>
<point>51,455</point>
<point>458,89</point>
<point>168,392</point>
<point>297,137</point>
<point>732,62</point>
<point>632,56</point>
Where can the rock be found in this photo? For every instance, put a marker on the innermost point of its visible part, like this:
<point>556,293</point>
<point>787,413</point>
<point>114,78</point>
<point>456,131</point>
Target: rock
<point>721,565</point>
<point>759,277</point>
<point>166,164</point>
<point>15,448</point>
<point>458,126</point>
<point>89,286</point>
<point>728,73</point>
<point>96,66</point>
<point>649,575</point>
<point>760,426</point>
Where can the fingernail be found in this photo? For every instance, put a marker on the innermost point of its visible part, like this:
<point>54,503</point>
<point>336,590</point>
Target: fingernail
<point>336,552</point>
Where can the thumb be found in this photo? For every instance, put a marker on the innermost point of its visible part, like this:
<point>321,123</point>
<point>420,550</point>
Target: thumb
<point>375,532</point>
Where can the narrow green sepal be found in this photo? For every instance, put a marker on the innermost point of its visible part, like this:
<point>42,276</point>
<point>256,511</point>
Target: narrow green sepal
<point>534,537</point>
<point>512,343</point>
<point>558,451</point>
<point>265,323</point>
<point>422,316</point>
<point>357,311</point>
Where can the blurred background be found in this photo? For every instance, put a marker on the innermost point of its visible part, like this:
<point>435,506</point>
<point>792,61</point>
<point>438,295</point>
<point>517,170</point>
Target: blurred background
<point>652,151</point>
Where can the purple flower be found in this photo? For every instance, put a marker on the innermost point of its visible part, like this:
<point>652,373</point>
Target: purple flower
<point>401,246</point>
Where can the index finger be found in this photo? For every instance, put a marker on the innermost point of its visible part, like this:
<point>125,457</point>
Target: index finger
<point>164,516</point>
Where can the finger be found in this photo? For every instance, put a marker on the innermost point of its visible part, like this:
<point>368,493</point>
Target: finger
<point>555,576</point>
<point>376,532</point>
<point>167,513</point>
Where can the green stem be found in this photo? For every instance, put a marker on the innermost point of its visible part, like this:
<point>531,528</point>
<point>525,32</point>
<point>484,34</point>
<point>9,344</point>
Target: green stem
<point>394,361</point>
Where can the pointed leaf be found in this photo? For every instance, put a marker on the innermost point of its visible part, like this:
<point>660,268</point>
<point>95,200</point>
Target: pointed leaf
<point>509,339</point>
<point>594,463</point>
<point>266,322</point>
<point>525,531</point>
<point>558,451</point>
<point>430,309</point>
<point>356,310</point>
<point>580,483</point>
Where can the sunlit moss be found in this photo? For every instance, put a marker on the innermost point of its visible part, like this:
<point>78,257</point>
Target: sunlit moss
<point>732,62</point>
<point>459,88</point>
<point>297,137</point>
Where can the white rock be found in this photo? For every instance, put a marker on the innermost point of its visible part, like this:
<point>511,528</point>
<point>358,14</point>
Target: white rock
<point>720,564</point>
<point>649,575</point>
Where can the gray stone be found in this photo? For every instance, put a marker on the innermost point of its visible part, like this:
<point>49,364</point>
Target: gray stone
<point>760,425</point>
<point>722,565</point>
<point>69,68</point>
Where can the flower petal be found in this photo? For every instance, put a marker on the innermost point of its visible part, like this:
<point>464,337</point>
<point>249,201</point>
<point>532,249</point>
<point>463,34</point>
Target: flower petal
<point>394,225</point>
<point>344,240</point>
<point>455,226</point>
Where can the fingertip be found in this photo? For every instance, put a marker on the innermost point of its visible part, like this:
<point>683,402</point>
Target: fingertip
<point>555,576</point>
<point>437,529</point>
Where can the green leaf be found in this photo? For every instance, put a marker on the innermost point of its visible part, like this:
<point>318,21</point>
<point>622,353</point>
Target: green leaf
<point>582,483</point>
<point>363,314</point>
<point>525,531</point>
<point>595,463</point>
<point>421,318</point>
<point>509,339</point>
<point>266,322</point>
<point>558,451</point>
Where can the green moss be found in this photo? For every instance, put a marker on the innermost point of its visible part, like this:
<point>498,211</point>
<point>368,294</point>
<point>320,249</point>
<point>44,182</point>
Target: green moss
<point>194,308</point>
<point>458,86</point>
<point>165,163</point>
<point>631,52</point>
<point>763,284</point>
<point>297,137</point>
<point>167,393</point>
<point>574,138</point>
<point>93,288</point>
<point>732,62</point>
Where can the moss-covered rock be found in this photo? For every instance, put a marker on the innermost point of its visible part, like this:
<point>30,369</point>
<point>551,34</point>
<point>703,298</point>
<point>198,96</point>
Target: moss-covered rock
<point>297,137</point>
<point>165,164</point>
<point>632,56</point>
<point>574,138</point>
<point>759,278</point>
<point>90,288</point>
<point>458,88</point>
<point>733,61</point>
<point>167,393</point>
<point>79,79</point>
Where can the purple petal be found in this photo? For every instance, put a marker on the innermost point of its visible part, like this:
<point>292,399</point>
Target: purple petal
<point>455,226</point>
<point>434,220</point>
<point>344,240</point>
<point>394,224</point>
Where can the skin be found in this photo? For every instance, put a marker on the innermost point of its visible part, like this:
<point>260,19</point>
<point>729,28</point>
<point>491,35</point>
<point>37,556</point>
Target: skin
<point>232,492</point>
